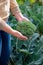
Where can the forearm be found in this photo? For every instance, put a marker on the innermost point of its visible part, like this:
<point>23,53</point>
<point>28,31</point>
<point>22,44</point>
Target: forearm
<point>5,27</point>
<point>17,13</point>
<point>16,10</point>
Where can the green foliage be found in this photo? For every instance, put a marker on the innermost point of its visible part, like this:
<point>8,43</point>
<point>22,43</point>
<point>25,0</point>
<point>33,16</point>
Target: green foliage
<point>40,27</point>
<point>26,28</point>
<point>28,52</point>
<point>32,1</point>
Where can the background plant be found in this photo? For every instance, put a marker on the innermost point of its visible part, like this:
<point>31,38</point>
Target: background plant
<point>28,52</point>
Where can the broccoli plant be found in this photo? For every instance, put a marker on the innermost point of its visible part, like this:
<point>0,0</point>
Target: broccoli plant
<point>27,28</point>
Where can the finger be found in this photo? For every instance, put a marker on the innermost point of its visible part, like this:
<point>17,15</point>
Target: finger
<point>26,19</point>
<point>24,38</point>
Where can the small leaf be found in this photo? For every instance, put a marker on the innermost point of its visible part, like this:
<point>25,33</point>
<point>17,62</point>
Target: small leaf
<point>24,51</point>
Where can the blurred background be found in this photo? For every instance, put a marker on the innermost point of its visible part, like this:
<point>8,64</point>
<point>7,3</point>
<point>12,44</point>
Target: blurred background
<point>28,52</point>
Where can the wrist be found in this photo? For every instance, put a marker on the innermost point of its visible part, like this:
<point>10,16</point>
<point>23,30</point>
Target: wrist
<point>17,13</point>
<point>15,33</point>
<point>19,16</point>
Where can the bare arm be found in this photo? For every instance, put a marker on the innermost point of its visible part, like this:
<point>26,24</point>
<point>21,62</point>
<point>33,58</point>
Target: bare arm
<point>16,11</point>
<point>5,27</point>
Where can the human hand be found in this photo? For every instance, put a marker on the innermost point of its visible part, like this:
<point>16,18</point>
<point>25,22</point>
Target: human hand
<point>22,18</point>
<point>19,35</point>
